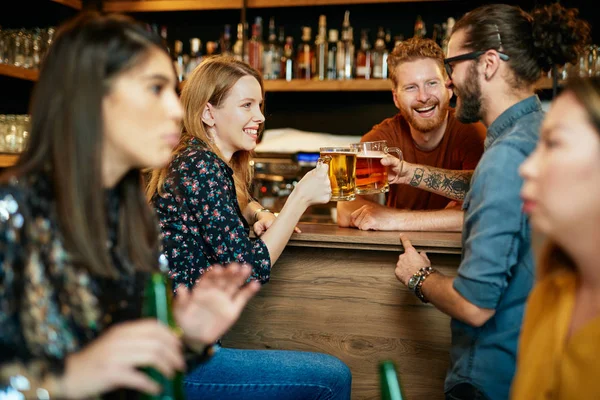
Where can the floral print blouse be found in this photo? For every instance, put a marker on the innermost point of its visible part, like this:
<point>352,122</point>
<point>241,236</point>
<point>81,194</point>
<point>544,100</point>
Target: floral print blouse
<point>201,221</point>
<point>48,307</point>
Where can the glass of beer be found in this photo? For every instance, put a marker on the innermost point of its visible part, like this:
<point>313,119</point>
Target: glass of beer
<point>342,170</point>
<point>371,176</point>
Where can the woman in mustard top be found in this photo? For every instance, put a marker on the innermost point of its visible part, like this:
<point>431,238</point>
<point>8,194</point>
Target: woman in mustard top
<point>559,349</point>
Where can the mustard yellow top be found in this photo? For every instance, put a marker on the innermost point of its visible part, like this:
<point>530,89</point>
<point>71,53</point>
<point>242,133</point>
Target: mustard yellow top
<point>550,366</point>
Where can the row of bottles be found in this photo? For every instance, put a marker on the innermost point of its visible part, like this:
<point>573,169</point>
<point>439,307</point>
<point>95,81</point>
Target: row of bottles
<point>327,57</point>
<point>331,55</point>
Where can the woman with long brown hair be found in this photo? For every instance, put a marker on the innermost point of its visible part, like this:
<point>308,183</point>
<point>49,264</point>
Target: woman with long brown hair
<point>559,351</point>
<point>205,211</point>
<point>78,241</point>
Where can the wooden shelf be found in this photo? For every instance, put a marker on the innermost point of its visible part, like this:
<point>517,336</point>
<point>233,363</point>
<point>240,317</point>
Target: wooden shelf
<point>184,5</point>
<point>76,4</point>
<point>8,160</point>
<point>302,85</point>
<point>18,72</point>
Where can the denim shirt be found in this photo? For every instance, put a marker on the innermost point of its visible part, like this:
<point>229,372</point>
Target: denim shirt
<point>496,269</point>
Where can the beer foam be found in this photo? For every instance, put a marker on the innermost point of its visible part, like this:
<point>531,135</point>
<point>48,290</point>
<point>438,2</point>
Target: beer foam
<point>372,154</point>
<point>347,153</point>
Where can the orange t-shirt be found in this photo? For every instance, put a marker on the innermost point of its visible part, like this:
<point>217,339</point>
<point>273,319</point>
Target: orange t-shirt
<point>460,149</point>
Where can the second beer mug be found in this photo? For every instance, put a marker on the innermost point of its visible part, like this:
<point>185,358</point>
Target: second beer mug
<point>371,176</point>
<point>342,170</point>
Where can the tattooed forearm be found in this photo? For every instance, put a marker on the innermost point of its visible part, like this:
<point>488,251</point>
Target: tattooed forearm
<point>456,186</point>
<point>417,177</point>
<point>448,183</point>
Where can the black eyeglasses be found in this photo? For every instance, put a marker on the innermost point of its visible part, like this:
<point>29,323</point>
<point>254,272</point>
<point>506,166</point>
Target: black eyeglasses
<point>468,56</point>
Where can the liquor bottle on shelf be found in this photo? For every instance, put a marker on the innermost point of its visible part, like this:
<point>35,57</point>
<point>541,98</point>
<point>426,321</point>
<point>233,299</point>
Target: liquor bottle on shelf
<point>380,56</point>
<point>349,59</point>
<point>240,49</point>
<point>397,40</point>
<point>177,57</point>
<point>364,59</point>
<point>256,46</point>
<point>158,297</point>
<point>348,39</point>
<point>420,30</point>
<point>212,48</point>
<point>163,36</point>
<point>341,56</point>
<point>195,57</point>
<point>389,43</point>
<point>287,60</point>
<point>226,41</point>
<point>332,54</point>
<point>281,38</point>
<point>321,50</point>
<point>447,27</point>
<point>272,55</point>
<point>436,36</point>
<point>305,56</point>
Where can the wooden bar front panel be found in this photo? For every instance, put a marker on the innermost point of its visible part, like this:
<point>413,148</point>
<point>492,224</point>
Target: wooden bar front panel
<point>348,303</point>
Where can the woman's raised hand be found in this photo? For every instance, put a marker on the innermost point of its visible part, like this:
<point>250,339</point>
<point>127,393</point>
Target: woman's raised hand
<point>215,303</point>
<point>315,187</point>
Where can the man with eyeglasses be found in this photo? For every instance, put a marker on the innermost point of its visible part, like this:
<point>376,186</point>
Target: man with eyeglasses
<point>496,54</point>
<point>427,132</point>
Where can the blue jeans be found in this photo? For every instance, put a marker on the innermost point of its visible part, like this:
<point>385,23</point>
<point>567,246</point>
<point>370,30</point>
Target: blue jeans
<point>269,374</point>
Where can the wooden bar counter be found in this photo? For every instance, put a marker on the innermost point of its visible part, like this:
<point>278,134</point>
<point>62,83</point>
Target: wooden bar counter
<point>333,290</point>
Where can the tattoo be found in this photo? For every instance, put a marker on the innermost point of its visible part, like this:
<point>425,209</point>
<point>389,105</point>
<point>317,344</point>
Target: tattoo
<point>434,180</point>
<point>417,177</point>
<point>448,183</point>
<point>457,185</point>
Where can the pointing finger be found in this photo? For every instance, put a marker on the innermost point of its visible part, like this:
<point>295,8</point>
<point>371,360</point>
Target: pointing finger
<point>405,242</point>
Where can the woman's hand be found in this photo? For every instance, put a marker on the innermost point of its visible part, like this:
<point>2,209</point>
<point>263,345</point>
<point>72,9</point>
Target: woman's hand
<point>207,311</point>
<point>112,361</point>
<point>264,222</point>
<point>315,187</point>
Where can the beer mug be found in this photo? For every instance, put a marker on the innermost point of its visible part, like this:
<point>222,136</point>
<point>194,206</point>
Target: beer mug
<point>371,176</point>
<point>342,169</point>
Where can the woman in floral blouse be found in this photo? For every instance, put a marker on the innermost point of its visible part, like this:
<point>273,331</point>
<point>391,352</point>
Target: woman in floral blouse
<point>202,197</point>
<point>205,211</point>
<point>78,241</point>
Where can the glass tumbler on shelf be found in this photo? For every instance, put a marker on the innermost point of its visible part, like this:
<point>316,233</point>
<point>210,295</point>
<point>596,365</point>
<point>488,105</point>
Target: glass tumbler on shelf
<point>11,134</point>
<point>3,125</point>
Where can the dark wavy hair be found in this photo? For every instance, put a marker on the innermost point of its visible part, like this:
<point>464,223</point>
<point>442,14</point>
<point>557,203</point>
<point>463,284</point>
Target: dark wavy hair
<point>535,42</point>
<point>67,134</point>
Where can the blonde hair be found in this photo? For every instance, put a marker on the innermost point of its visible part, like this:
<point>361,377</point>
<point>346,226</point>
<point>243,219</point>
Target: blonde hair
<point>211,82</point>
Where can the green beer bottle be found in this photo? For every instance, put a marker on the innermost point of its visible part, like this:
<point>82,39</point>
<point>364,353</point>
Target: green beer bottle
<point>158,298</point>
<point>390,386</point>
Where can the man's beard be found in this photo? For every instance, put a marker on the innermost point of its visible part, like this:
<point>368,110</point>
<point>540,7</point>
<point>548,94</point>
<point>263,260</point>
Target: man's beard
<point>429,124</point>
<point>468,110</point>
